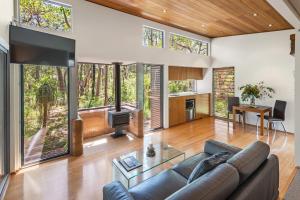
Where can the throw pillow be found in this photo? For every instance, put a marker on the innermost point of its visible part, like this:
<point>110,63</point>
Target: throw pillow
<point>208,164</point>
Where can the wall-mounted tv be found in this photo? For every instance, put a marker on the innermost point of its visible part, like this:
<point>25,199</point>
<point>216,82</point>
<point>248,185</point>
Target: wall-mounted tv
<point>34,47</point>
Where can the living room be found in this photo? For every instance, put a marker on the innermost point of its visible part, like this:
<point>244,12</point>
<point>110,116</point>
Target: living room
<point>90,87</point>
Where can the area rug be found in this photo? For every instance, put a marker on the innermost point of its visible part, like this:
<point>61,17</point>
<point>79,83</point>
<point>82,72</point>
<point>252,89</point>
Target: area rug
<point>293,192</point>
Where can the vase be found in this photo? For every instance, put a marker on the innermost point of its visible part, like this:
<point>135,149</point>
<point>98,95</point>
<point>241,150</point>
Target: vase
<point>252,101</point>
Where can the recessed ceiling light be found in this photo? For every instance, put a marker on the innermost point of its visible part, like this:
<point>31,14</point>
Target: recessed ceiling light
<point>164,10</point>
<point>254,14</point>
<point>270,25</point>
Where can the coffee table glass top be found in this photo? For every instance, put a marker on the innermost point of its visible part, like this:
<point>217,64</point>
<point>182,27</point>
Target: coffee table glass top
<point>163,154</point>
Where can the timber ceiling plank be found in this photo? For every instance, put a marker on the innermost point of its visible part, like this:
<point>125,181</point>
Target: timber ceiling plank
<point>211,18</point>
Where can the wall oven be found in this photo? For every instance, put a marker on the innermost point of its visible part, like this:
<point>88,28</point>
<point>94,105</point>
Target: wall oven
<point>190,109</point>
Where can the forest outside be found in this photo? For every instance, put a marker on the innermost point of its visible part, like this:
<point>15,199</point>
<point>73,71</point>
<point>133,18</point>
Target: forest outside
<point>96,85</point>
<point>46,14</point>
<point>45,112</point>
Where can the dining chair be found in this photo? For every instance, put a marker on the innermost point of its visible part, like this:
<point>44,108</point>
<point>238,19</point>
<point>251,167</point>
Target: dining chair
<point>278,116</point>
<point>234,101</point>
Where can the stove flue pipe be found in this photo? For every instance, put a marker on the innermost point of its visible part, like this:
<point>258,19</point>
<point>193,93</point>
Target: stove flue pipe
<point>117,85</point>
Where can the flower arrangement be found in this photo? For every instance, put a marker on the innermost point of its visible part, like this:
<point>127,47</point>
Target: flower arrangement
<point>257,91</point>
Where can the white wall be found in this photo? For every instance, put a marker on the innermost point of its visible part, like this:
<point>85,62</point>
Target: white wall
<point>260,57</point>
<point>6,14</point>
<point>105,34</point>
<point>297,110</point>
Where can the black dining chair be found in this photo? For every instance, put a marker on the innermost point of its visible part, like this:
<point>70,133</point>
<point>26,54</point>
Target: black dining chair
<point>234,101</point>
<point>278,116</point>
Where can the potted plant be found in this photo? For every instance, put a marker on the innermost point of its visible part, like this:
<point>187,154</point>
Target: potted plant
<point>257,91</point>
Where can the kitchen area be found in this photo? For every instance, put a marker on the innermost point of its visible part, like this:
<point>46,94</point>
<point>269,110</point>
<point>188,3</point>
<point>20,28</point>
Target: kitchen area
<point>185,103</point>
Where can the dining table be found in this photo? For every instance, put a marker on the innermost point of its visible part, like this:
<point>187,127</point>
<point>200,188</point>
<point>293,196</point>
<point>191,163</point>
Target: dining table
<point>261,110</point>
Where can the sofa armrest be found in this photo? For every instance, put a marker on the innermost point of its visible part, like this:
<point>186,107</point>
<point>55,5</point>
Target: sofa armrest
<point>116,191</point>
<point>213,147</point>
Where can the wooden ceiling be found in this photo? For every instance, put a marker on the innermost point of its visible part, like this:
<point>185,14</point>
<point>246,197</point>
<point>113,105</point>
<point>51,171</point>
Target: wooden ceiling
<point>211,18</point>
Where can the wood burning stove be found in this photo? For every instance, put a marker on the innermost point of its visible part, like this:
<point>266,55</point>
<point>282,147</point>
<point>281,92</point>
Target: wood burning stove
<point>118,118</point>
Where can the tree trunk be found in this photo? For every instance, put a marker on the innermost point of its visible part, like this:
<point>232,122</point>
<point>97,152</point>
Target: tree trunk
<point>37,73</point>
<point>86,80</point>
<point>66,19</point>
<point>93,80</point>
<point>80,81</point>
<point>61,83</point>
<point>105,86</point>
<point>45,114</point>
<point>98,83</point>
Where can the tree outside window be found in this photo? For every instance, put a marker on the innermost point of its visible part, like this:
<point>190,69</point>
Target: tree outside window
<point>153,37</point>
<point>188,45</point>
<point>46,14</point>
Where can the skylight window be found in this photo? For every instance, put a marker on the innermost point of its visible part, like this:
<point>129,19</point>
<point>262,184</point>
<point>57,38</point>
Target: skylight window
<point>46,14</point>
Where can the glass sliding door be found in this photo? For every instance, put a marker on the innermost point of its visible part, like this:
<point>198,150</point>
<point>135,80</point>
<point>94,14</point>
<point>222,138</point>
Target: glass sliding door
<point>45,112</point>
<point>223,87</point>
<point>4,120</point>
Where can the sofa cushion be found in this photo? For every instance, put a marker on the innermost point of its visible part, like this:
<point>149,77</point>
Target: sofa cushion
<point>217,184</point>
<point>208,164</point>
<point>116,191</point>
<point>186,167</point>
<point>249,159</point>
<point>213,147</point>
<point>158,187</point>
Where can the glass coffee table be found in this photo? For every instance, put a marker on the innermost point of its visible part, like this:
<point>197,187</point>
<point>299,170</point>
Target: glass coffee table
<point>163,153</point>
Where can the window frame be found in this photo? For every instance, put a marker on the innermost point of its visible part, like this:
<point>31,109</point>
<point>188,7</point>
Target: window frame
<point>157,29</point>
<point>22,132</point>
<point>191,38</point>
<point>6,120</point>
<point>46,28</point>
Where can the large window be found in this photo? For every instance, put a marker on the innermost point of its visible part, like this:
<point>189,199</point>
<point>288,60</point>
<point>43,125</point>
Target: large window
<point>182,86</point>
<point>96,85</point>
<point>188,45</point>
<point>153,37</point>
<point>45,112</point>
<point>46,14</point>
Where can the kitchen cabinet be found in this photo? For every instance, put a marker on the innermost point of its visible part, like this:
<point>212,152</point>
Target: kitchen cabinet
<point>177,111</point>
<point>195,73</point>
<point>184,73</point>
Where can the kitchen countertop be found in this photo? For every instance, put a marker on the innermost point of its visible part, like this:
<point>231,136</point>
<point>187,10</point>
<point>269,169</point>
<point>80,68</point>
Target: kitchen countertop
<point>182,94</point>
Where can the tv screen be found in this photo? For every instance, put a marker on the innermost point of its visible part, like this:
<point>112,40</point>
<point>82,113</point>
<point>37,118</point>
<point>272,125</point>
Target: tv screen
<point>34,47</point>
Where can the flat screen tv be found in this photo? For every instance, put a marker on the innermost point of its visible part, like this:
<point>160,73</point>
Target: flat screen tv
<point>34,47</point>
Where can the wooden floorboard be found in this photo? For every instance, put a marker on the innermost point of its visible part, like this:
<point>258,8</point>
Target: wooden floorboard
<point>83,177</point>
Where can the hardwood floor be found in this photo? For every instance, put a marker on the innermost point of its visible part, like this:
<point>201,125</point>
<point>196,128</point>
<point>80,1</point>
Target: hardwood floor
<point>84,177</point>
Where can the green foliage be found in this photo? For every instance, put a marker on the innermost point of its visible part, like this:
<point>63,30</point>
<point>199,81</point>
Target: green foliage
<point>153,37</point>
<point>128,87</point>
<point>46,92</point>
<point>258,91</point>
<point>147,93</point>
<point>46,14</point>
<point>221,108</point>
<point>180,86</point>
<point>188,45</point>
<point>41,88</point>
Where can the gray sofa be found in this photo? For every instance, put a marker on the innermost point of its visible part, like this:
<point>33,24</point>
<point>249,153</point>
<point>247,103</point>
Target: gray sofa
<point>250,174</point>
